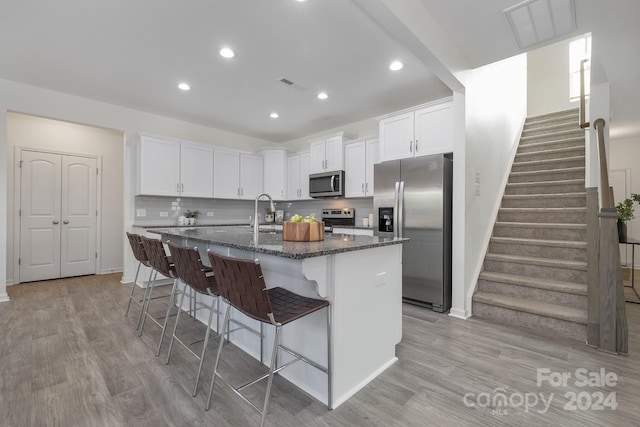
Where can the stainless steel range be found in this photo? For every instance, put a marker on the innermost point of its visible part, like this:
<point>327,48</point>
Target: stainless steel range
<point>338,217</point>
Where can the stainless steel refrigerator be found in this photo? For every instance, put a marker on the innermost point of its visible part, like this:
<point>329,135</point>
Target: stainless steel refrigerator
<point>412,198</point>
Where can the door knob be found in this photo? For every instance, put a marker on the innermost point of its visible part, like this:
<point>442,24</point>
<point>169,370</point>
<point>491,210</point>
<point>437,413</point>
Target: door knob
<point>55,222</point>
<point>65,222</point>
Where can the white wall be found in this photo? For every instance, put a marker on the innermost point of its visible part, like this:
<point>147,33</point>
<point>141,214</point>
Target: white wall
<point>548,79</point>
<point>359,129</point>
<point>496,102</point>
<point>26,131</point>
<point>36,101</point>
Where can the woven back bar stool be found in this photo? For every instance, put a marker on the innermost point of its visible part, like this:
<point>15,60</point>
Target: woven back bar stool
<point>241,283</point>
<point>163,264</point>
<point>194,274</point>
<point>141,256</point>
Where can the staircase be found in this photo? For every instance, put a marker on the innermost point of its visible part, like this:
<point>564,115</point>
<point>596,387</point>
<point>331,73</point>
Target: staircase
<point>535,270</point>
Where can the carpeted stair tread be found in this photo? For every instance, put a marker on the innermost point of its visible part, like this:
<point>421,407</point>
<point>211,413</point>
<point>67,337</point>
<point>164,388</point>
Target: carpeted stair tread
<point>535,183</point>
<point>561,134</point>
<point>562,150</point>
<point>544,196</point>
<point>567,210</point>
<point>540,242</point>
<point>534,307</point>
<point>547,171</point>
<point>542,262</point>
<point>570,113</point>
<point>539,225</point>
<point>549,162</point>
<point>532,282</point>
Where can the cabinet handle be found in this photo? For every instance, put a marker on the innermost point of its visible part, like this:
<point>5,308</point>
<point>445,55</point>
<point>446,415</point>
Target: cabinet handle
<point>363,188</point>
<point>182,188</point>
<point>241,191</point>
<point>411,146</point>
<point>55,222</point>
<point>65,222</point>
<point>416,145</point>
<point>366,187</point>
<point>178,188</point>
<point>238,192</point>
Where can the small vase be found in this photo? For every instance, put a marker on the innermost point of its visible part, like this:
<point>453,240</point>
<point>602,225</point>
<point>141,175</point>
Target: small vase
<point>268,217</point>
<point>182,220</point>
<point>192,221</point>
<point>622,232</point>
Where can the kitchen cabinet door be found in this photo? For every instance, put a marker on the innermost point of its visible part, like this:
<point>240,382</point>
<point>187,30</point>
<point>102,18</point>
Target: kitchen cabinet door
<point>158,167</point>
<point>434,130</point>
<point>317,156</point>
<point>226,174</point>
<point>304,176</point>
<point>196,170</point>
<point>334,154</point>
<point>355,169</point>
<point>396,136</point>
<point>275,173</point>
<point>293,172</point>
<point>372,158</point>
<point>251,176</point>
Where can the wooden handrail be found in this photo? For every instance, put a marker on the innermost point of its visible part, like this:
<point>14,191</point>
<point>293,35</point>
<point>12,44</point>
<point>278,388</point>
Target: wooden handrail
<point>583,97</point>
<point>607,201</point>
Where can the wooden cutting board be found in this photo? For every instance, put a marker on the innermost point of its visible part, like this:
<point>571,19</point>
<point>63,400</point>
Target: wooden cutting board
<point>302,231</point>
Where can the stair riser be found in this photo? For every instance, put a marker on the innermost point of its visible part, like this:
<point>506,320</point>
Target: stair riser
<point>566,116</point>
<point>547,176</point>
<point>540,233</point>
<point>538,271</point>
<point>551,136</point>
<point>543,166</point>
<point>556,145</point>
<point>540,324</point>
<point>536,294</point>
<point>545,202</point>
<point>551,128</point>
<point>552,252</point>
<point>549,155</point>
<point>543,216</point>
<point>544,189</point>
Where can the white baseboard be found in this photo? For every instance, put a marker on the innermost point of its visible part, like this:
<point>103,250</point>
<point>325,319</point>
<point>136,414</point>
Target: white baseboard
<point>459,313</point>
<point>4,297</point>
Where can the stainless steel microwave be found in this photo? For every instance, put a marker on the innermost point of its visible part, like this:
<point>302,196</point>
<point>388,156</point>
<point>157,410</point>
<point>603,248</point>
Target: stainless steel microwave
<point>326,184</point>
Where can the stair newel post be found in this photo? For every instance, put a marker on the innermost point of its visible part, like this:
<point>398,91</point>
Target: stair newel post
<point>613,319</point>
<point>593,280</point>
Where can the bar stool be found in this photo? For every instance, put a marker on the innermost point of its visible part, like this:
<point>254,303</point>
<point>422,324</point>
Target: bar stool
<point>163,264</point>
<point>241,283</point>
<point>141,256</point>
<point>193,274</point>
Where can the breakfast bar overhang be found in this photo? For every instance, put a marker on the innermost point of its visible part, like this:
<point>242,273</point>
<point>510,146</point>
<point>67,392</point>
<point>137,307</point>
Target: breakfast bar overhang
<point>361,277</point>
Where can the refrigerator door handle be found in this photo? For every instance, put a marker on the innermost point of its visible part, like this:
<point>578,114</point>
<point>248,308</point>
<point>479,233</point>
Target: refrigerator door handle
<point>396,200</point>
<point>400,222</point>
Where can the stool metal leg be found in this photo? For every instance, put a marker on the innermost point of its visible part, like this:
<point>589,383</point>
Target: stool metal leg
<point>166,317</point>
<point>146,305</point>
<point>204,349</point>
<point>144,297</point>
<point>175,325</point>
<point>329,370</point>
<point>133,287</point>
<point>274,354</point>
<point>225,327</point>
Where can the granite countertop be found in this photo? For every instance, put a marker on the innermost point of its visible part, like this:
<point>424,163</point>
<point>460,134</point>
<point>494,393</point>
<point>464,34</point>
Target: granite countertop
<point>270,242</point>
<point>270,224</point>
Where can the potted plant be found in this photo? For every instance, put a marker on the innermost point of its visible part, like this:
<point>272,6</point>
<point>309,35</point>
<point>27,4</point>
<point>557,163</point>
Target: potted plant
<point>191,216</point>
<point>625,214</point>
<point>269,215</point>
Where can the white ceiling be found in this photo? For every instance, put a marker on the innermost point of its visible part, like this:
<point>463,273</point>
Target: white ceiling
<point>134,53</point>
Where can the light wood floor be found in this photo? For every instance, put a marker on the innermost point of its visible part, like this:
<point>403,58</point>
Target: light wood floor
<point>68,357</point>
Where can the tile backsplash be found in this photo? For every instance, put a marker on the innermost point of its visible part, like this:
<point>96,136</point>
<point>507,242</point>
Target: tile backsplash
<point>160,210</point>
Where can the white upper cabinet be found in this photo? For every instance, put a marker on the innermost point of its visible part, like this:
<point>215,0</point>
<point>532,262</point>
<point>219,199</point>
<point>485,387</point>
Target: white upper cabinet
<point>275,173</point>
<point>327,154</point>
<point>418,132</point>
<point>298,177</point>
<point>236,175</point>
<point>226,174</point>
<point>196,170</point>
<point>360,156</point>
<point>170,167</point>
<point>251,176</point>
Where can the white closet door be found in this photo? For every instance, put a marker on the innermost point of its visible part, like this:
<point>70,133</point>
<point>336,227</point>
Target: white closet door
<point>40,206</point>
<point>79,216</point>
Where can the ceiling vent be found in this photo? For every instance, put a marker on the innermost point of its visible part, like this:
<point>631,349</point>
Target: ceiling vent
<point>537,21</point>
<point>292,84</point>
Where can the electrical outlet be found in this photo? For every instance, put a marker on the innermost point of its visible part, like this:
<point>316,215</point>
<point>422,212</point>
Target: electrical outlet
<point>381,279</point>
<point>141,212</point>
<point>209,213</point>
<point>164,214</point>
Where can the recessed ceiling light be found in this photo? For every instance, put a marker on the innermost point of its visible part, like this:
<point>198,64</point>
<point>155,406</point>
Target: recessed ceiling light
<point>274,115</point>
<point>396,65</point>
<point>302,1</point>
<point>323,95</point>
<point>226,52</point>
<point>184,86</point>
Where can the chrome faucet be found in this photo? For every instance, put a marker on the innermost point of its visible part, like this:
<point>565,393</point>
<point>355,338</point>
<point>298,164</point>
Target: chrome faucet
<point>256,222</point>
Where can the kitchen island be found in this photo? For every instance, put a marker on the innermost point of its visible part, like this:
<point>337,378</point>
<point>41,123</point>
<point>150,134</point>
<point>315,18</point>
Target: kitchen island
<point>361,276</point>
